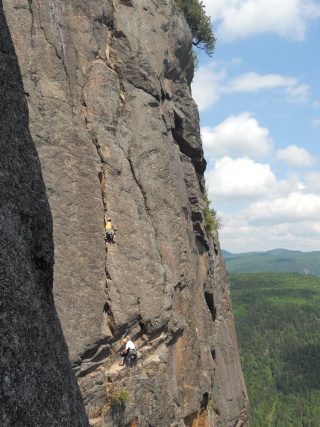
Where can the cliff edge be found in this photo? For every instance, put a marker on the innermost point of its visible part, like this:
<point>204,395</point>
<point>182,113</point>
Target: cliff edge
<point>117,132</point>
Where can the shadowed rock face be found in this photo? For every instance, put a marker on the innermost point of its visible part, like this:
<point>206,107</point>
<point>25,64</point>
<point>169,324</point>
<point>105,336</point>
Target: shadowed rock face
<point>117,131</point>
<point>38,387</point>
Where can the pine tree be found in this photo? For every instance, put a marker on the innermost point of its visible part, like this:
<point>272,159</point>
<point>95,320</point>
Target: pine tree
<point>199,23</point>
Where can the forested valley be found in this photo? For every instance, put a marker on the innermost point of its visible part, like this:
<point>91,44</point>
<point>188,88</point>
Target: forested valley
<point>277,317</point>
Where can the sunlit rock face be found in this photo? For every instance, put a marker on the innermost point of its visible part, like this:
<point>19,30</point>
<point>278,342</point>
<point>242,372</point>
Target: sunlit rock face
<point>117,132</point>
<point>38,387</point>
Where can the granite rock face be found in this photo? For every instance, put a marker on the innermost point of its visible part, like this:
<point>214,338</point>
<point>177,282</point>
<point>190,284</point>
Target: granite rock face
<point>117,131</point>
<point>38,387</point>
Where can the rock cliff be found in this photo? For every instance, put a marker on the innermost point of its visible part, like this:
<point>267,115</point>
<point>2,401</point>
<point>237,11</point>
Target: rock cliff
<point>117,132</point>
<point>38,387</point>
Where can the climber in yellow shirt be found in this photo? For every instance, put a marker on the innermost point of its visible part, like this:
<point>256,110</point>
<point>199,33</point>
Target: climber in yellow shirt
<point>110,236</point>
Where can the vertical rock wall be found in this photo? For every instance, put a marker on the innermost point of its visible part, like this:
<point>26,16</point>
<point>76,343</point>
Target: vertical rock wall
<point>38,387</point>
<point>108,88</point>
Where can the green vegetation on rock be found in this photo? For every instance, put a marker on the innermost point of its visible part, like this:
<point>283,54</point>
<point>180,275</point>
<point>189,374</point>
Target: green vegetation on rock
<point>212,219</point>
<point>117,396</point>
<point>277,318</point>
<point>199,23</point>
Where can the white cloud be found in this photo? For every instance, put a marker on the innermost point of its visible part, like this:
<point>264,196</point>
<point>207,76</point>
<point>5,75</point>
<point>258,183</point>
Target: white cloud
<point>235,19</point>
<point>312,181</point>
<point>211,81</point>
<point>289,222</point>
<point>295,156</point>
<point>298,93</point>
<point>260,212</point>
<point>316,123</point>
<point>237,235</point>
<point>253,82</point>
<point>236,136</point>
<point>206,86</point>
<point>295,206</point>
<point>242,179</point>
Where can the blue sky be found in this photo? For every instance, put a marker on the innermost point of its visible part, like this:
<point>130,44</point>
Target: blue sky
<point>259,103</point>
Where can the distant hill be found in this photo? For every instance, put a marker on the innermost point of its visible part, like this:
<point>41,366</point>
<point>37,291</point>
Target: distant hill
<point>276,260</point>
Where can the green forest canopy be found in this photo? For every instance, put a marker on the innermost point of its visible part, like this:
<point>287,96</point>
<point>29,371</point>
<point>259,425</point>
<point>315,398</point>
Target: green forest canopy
<point>277,318</point>
<point>199,23</point>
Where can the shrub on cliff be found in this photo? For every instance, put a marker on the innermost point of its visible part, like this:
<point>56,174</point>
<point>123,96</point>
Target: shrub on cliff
<point>117,397</point>
<point>199,23</point>
<point>212,219</point>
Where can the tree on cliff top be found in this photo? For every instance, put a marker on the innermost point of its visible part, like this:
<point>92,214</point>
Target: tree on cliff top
<point>199,23</point>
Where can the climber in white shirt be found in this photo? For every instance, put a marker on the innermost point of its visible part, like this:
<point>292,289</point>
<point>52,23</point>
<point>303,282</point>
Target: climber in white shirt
<point>129,353</point>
